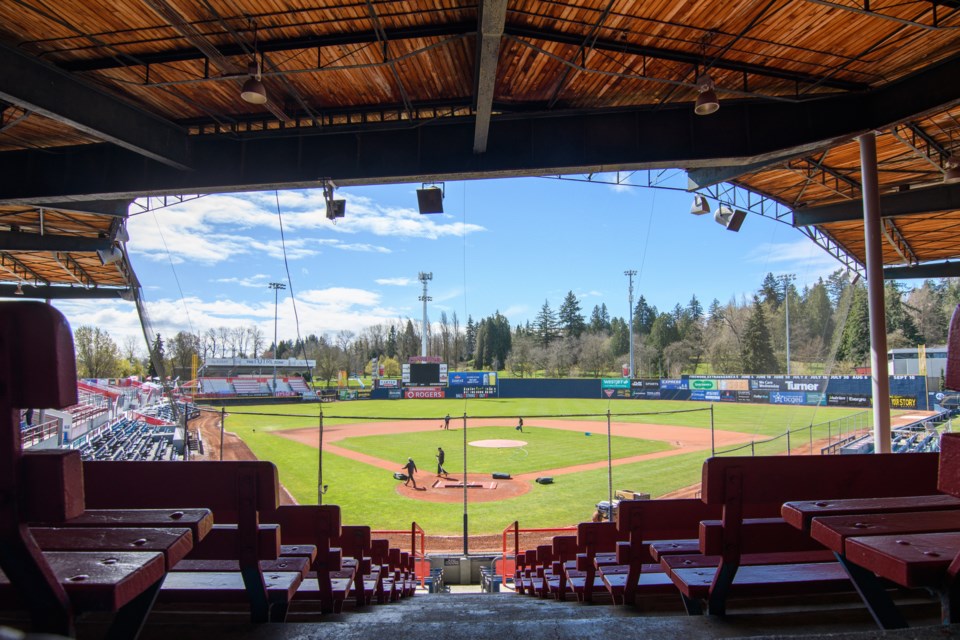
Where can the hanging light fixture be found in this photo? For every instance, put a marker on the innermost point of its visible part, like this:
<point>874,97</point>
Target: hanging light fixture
<point>19,291</point>
<point>707,100</point>
<point>951,170</point>
<point>253,90</point>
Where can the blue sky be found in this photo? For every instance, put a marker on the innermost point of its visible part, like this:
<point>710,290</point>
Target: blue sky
<point>504,245</point>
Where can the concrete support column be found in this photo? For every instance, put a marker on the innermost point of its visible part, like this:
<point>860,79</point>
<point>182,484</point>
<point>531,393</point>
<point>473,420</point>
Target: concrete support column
<point>878,323</point>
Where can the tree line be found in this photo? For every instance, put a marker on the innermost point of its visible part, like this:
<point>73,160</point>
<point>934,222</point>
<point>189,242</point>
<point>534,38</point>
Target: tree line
<point>828,321</point>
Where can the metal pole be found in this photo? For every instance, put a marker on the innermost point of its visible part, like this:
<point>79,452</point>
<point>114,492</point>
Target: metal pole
<point>466,546</point>
<point>630,273</point>
<point>424,278</point>
<point>320,487</point>
<point>878,325</point>
<point>276,286</point>
<point>223,414</point>
<point>713,444</point>
<point>788,441</point>
<point>609,470</point>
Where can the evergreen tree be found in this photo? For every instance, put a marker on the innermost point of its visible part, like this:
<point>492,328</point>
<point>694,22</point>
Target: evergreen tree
<point>571,320</point>
<point>643,317</point>
<point>771,293</point>
<point>156,356</point>
<point>757,354</point>
<point>898,320</point>
<point>855,341</point>
<point>619,337</point>
<point>471,338</point>
<point>392,342</point>
<point>546,324</point>
<point>695,309</point>
<point>837,283</point>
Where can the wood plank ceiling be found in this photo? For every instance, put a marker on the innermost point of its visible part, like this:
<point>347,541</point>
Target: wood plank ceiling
<point>360,65</point>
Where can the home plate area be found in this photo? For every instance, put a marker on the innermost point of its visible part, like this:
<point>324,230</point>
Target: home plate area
<point>441,483</point>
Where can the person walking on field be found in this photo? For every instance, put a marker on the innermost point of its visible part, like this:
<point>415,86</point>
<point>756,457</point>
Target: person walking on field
<point>446,422</point>
<point>519,426</point>
<point>440,457</point>
<point>411,468</point>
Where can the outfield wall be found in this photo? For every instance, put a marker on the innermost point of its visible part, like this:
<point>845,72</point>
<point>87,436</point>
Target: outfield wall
<point>906,392</point>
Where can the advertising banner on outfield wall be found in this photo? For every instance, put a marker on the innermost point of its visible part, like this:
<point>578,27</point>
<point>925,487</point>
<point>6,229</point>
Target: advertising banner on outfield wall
<point>788,397</point>
<point>419,393</point>
<point>848,400</point>
<point>615,383</point>
<point>472,392</point>
<point>645,388</point>
<point>816,384</point>
<point>471,379</point>
<point>903,402</point>
<point>719,383</point>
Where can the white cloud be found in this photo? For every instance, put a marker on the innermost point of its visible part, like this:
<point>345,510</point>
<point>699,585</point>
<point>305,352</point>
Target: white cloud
<point>801,257</point>
<point>394,282</point>
<point>255,282</point>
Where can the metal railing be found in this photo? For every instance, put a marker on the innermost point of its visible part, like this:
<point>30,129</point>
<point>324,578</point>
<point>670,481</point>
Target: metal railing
<point>834,432</point>
<point>509,562</point>
<point>416,534</point>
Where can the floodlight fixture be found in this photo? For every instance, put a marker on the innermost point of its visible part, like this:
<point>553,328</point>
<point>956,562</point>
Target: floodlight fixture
<point>109,256</point>
<point>707,102</point>
<point>253,90</point>
<point>335,208</point>
<point>700,205</point>
<point>19,291</point>
<point>951,170</point>
<point>430,198</point>
<point>731,219</point>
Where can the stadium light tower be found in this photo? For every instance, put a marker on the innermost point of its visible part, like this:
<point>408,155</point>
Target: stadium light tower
<point>276,286</point>
<point>424,278</point>
<point>787,279</point>
<point>630,273</point>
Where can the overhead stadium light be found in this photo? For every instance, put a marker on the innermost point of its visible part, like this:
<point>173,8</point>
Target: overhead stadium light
<point>700,205</point>
<point>430,199</point>
<point>335,208</point>
<point>951,170</point>
<point>732,219</point>
<point>19,291</point>
<point>109,256</point>
<point>122,234</point>
<point>707,102</point>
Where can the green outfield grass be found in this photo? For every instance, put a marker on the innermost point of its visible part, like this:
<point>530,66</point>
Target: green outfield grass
<point>545,448</point>
<point>367,494</point>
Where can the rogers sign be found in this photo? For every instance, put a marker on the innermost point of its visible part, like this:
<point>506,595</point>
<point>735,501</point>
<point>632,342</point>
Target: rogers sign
<point>420,393</point>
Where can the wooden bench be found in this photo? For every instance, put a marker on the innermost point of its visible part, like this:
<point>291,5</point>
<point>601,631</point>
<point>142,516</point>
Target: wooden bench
<point>757,487</point>
<point>236,493</point>
<point>596,542</point>
<point>910,548</point>
<point>653,528</point>
<point>318,526</point>
<point>354,543</point>
<point>37,367</point>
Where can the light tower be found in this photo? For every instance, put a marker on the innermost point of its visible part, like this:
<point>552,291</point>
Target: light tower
<point>276,286</point>
<point>424,278</point>
<point>630,273</point>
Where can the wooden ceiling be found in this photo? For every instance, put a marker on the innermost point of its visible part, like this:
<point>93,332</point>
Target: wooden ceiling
<point>106,100</point>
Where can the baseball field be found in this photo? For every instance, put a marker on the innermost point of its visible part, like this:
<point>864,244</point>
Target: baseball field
<point>654,447</point>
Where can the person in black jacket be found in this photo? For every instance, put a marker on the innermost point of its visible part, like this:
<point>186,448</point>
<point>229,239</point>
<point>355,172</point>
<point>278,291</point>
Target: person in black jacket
<point>440,458</point>
<point>411,468</point>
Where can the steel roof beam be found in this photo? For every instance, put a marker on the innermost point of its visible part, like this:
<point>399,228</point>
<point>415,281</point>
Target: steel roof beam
<point>268,46</point>
<point>113,208</point>
<point>16,241</point>
<point>36,86</point>
<point>923,271</point>
<point>741,133</point>
<point>902,203</point>
<point>493,16</point>
<point>18,270</point>
<point>49,292</point>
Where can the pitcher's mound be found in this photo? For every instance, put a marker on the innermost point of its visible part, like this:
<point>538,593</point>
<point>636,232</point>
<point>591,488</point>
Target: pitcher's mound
<point>497,444</point>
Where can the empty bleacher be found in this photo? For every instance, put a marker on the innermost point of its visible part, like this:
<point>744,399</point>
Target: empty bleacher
<point>248,387</point>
